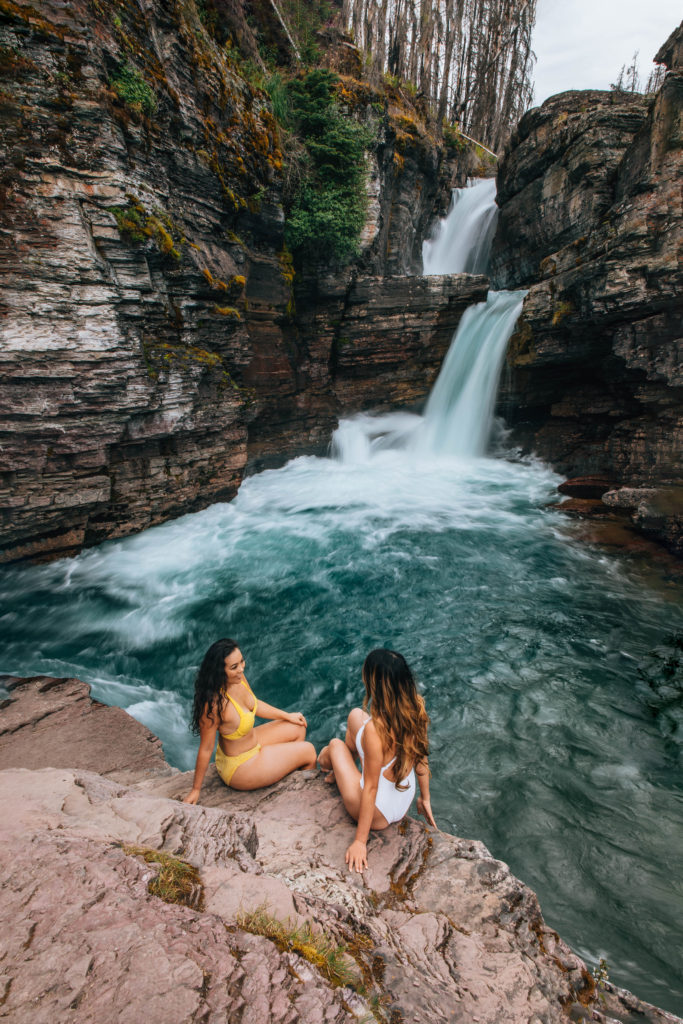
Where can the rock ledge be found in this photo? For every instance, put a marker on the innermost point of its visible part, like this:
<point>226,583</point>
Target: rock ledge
<point>436,928</point>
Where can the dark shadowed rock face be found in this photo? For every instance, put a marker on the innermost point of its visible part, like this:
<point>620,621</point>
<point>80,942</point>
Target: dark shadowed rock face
<point>152,347</point>
<point>436,929</point>
<point>126,356</point>
<point>591,192</point>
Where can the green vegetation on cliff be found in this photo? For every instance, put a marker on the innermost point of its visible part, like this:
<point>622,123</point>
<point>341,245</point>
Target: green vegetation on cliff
<point>329,205</point>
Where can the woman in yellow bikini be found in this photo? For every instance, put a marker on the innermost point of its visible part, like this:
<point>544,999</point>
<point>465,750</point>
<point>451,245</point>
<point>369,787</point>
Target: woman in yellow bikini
<point>247,756</point>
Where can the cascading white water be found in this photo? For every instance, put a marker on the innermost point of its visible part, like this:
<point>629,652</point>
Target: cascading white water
<point>459,413</point>
<point>462,241</point>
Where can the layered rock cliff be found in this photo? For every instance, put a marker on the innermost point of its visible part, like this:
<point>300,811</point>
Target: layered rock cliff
<point>435,929</point>
<point>153,347</point>
<point>591,221</point>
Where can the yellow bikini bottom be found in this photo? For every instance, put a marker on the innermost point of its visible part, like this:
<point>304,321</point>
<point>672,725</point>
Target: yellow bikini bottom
<point>227,766</point>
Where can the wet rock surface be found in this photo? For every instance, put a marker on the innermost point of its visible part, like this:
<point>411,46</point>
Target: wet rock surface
<point>435,929</point>
<point>591,221</point>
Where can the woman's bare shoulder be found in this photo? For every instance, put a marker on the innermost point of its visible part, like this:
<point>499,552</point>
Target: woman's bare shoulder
<point>217,711</point>
<point>372,744</point>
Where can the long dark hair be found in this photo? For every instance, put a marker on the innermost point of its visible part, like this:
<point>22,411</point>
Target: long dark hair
<point>397,709</point>
<point>210,682</point>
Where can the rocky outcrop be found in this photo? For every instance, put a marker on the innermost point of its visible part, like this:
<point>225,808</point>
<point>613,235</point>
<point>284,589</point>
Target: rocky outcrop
<point>153,349</point>
<point>591,221</point>
<point>436,928</point>
<point>48,721</point>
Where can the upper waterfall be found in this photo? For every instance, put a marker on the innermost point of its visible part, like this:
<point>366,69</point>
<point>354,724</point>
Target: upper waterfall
<point>462,242</point>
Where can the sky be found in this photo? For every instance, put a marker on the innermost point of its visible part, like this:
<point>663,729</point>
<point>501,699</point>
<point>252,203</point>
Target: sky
<point>582,44</point>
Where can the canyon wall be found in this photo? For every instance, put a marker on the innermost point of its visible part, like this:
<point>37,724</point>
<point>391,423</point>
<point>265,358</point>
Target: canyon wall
<point>591,221</point>
<point>155,341</point>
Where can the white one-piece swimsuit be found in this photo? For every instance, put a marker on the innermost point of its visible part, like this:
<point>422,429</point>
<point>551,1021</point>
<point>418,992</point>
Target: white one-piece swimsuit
<point>393,803</point>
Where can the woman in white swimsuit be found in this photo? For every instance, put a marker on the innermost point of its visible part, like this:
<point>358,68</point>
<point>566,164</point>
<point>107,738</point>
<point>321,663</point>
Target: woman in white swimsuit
<point>391,742</point>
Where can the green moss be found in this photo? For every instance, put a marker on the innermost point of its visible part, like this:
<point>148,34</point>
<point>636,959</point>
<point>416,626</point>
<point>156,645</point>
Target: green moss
<point>138,225</point>
<point>33,18</point>
<point>160,356</point>
<point>521,348</point>
<point>133,90</point>
<point>13,64</point>
<point>562,310</point>
<point>229,311</point>
<point>328,957</point>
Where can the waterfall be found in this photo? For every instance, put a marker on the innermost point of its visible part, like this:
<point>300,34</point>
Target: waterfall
<point>458,417</point>
<point>459,412</point>
<point>462,241</point>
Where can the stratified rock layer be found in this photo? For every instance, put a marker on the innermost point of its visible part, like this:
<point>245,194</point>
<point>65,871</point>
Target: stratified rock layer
<point>591,220</point>
<point>152,347</point>
<point>435,929</point>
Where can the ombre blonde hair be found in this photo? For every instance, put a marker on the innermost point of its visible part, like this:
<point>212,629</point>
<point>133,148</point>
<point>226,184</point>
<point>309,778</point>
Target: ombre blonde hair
<point>397,709</point>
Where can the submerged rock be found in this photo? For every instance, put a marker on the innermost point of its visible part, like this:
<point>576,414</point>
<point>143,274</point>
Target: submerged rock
<point>436,929</point>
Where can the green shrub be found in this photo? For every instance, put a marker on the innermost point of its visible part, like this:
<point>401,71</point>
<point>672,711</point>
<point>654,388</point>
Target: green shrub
<point>328,210</point>
<point>133,90</point>
<point>452,137</point>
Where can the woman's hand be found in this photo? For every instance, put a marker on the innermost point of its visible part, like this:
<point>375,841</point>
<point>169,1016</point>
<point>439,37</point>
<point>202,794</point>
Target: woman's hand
<point>424,808</point>
<point>296,718</point>
<point>192,797</point>
<point>357,856</point>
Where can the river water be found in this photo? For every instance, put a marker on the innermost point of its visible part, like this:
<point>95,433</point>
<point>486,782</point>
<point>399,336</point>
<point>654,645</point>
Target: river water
<point>547,743</point>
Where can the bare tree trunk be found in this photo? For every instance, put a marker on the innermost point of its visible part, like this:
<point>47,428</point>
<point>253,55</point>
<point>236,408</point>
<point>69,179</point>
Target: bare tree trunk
<point>472,59</point>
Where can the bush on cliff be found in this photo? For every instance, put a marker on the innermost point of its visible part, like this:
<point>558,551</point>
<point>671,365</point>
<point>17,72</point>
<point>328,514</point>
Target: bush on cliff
<point>327,212</point>
<point>133,90</point>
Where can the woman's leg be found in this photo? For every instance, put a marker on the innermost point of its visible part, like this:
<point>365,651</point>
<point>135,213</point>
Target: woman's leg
<point>272,763</point>
<point>283,750</point>
<point>346,775</point>
<point>279,732</point>
<point>357,717</point>
<point>353,723</point>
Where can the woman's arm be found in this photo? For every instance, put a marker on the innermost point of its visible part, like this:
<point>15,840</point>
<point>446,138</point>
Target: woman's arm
<point>207,742</point>
<point>357,853</point>
<point>424,806</point>
<point>264,710</point>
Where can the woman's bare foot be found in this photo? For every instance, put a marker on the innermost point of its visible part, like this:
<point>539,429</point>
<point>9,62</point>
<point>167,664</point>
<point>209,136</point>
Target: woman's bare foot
<point>325,762</point>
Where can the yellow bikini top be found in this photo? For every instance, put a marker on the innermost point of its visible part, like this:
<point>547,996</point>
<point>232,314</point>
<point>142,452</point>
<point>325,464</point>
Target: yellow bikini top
<point>246,717</point>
